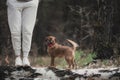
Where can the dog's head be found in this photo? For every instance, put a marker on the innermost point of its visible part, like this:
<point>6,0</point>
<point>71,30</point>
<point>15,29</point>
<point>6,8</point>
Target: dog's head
<point>50,41</point>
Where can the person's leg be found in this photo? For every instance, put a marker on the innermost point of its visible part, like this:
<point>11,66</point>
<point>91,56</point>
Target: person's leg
<point>14,21</point>
<point>28,22</point>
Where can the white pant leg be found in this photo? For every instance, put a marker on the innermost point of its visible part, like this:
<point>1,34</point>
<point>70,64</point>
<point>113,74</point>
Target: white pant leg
<point>28,22</point>
<point>14,20</point>
<point>21,18</point>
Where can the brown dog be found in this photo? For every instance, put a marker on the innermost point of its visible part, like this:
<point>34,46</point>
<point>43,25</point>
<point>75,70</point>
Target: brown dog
<point>56,50</point>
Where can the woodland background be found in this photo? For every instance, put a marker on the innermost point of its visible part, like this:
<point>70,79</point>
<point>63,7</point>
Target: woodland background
<point>93,24</point>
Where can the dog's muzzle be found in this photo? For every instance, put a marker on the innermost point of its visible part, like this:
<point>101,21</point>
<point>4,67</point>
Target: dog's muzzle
<point>50,43</point>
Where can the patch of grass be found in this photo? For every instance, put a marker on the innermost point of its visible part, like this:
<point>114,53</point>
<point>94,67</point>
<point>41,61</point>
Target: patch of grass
<point>40,61</point>
<point>81,59</point>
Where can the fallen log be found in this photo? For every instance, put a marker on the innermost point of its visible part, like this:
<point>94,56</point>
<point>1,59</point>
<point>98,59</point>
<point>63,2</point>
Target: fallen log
<point>50,73</point>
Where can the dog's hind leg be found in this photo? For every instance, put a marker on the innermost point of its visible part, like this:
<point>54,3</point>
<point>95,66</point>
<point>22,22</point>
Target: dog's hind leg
<point>73,65</point>
<point>68,60</point>
<point>76,66</point>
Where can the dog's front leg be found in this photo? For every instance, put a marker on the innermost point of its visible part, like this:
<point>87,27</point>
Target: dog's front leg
<point>52,61</point>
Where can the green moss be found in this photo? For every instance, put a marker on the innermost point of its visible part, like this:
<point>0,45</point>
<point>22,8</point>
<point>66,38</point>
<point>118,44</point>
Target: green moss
<point>83,58</point>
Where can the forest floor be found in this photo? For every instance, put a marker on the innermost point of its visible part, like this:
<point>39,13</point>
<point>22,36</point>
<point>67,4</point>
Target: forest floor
<point>87,69</point>
<point>50,73</point>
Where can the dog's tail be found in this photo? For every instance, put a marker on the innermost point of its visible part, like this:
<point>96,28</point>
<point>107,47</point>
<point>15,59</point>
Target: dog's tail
<point>75,45</point>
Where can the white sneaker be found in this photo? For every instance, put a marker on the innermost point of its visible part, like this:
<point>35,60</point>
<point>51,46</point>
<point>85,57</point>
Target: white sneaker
<point>26,61</point>
<point>18,61</point>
